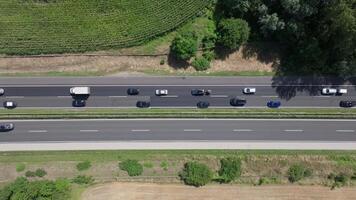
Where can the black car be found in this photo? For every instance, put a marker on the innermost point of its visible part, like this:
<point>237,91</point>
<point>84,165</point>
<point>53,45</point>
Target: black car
<point>237,102</point>
<point>200,92</point>
<point>79,103</point>
<point>203,104</point>
<point>10,104</point>
<point>346,104</point>
<point>143,104</point>
<point>6,127</point>
<point>133,91</point>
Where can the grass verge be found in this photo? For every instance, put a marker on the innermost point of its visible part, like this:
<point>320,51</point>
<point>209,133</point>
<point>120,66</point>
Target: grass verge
<point>109,113</point>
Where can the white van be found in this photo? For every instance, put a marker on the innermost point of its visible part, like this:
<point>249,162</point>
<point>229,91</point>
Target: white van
<point>80,91</point>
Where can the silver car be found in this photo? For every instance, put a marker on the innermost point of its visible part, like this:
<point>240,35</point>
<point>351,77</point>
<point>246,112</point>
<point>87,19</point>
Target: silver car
<point>2,91</point>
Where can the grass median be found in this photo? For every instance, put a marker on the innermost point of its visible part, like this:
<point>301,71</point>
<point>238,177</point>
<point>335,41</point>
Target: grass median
<point>110,113</point>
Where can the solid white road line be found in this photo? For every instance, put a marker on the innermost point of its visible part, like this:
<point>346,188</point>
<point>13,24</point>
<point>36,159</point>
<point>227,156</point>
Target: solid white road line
<point>117,96</point>
<point>346,131</point>
<point>242,130</point>
<point>219,96</point>
<point>15,97</point>
<point>170,96</point>
<point>192,130</point>
<point>37,131</point>
<point>290,130</point>
<point>89,130</point>
<point>269,96</point>
<point>141,130</point>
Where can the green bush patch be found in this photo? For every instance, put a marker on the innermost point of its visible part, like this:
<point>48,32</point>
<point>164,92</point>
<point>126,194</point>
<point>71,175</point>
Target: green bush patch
<point>83,180</point>
<point>20,167</point>
<point>297,172</point>
<point>83,165</point>
<point>230,169</point>
<point>196,174</point>
<point>132,167</point>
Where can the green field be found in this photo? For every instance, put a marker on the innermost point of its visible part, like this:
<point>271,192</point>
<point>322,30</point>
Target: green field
<point>61,26</point>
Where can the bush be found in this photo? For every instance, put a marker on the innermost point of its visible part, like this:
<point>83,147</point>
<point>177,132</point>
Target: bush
<point>162,62</point>
<point>339,179</point>
<point>83,180</point>
<point>209,55</point>
<point>20,167</point>
<point>132,167</point>
<point>196,174</point>
<point>30,174</point>
<point>230,169</point>
<point>83,165</point>
<point>233,33</point>
<point>40,172</point>
<point>297,172</point>
<point>21,188</point>
<point>185,45</point>
<point>201,64</point>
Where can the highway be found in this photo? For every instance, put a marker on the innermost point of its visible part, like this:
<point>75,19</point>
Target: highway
<point>111,91</point>
<point>181,130</point>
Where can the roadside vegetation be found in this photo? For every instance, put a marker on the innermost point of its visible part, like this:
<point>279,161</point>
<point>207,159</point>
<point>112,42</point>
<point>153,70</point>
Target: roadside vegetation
<point>93,113</point>
<point>55,173</point>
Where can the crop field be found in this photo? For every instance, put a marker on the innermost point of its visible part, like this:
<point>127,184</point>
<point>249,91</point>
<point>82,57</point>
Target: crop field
<point>30,27</point>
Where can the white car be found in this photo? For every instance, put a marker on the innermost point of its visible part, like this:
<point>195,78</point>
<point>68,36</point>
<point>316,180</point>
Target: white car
<point>328,91</point>
<point>341,91</point>
<point>161,92</point>
<point>10,104</point>
<point>2,91</point>
<point>249,90</point>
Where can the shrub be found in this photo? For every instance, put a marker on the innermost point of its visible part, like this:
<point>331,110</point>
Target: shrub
<point>83,180</point>
<point>30,174</point>
<point>233,33</point>
<point>209,55</point>
<point>20,167</point>
<point>185,45</point>
<point>297,172</point>
<point>132,167</point>
<point>338,180</point>
<point>164,165</point>
<point>162,62</point>
<point>209,41</point>
<point>196,174</point>
<point>40,172</point>
<point>83,165</point>
<point>201,64</point>
<point>148,165</point>
<point>230,169</point>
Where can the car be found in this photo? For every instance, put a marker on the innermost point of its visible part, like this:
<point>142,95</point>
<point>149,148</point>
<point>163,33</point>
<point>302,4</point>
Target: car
<point>200,92</point>
<point>237,102</point>
<point>4,127</point>
<point>203,104</point>
<point>328,91</point>
<point>249,90</point>
<point>133,91</point>
<point>2,91</point>
<point>341,91</point>
<point>143,104</point>
<point>79,103</point>
<point>347,104</point>
<point>10,104</point>
<point>273,104</point>
<point>161,92</point>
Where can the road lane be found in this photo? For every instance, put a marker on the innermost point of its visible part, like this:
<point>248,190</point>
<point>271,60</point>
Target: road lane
<point>185,130</point>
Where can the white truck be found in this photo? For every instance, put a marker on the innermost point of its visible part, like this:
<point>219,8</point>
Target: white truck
<point>80,91</point>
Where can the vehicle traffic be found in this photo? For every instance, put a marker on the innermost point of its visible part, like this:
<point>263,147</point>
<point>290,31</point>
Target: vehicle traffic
<point>273,104</point>
<point>10,104</point>
<point>203,104</point>
<point>2,91</point>
<point>80,91</point>
<point>143,104</point>
<point>133,91</point>
<point>200,92</point>
<point>79,103</point>
<point>328,91</point>
<point>161,92</point>
<point>347,104</point>
<point>237,102</point>
<point>4,127</point>
<point>249,90</point>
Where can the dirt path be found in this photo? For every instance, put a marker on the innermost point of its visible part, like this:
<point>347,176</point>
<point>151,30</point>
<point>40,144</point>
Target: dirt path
<point>147,191</point>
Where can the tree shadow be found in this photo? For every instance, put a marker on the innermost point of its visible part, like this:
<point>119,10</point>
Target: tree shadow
<point>177,63</point>
<point>264,52</point>
<point>222,53</point>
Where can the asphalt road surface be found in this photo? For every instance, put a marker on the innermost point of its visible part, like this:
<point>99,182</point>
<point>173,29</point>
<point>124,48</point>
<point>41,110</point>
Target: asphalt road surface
<point>181,130</point>
<point>111,92</point>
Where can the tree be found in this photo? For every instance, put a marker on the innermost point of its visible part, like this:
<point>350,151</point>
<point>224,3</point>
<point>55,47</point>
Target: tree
<point>230,169</point>
<point>185,45</point>
<point>233,33</point>
<point>270,24</point>
<point>196,174</point>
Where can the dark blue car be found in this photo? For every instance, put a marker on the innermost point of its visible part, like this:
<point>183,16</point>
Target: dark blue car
<point>273,104</point>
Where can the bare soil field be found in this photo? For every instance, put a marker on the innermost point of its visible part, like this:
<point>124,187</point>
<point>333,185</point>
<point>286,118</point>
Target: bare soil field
<point>148,191</point>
